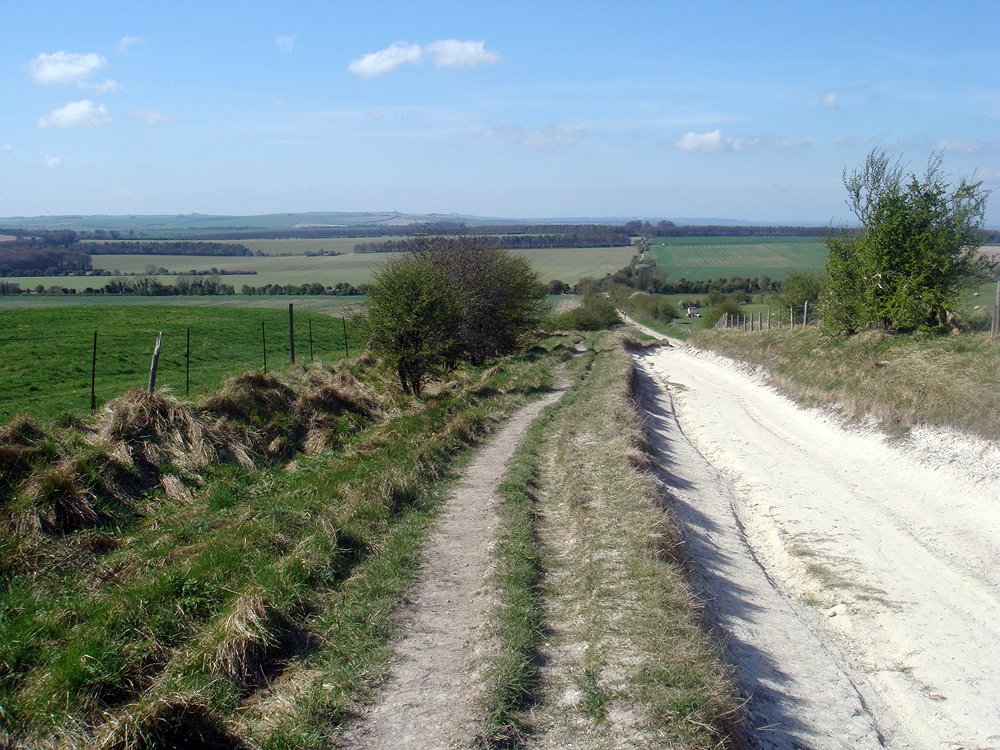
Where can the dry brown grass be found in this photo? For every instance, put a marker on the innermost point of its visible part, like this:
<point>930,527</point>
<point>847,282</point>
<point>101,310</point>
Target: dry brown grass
<point>898,381</point>
<point>172,721</point>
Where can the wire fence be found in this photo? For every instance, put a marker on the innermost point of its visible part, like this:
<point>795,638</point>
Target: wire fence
<point>52,364</point>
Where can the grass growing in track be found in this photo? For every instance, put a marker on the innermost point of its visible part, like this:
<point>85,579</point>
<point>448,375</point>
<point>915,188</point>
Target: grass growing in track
<point>901,381</point>
<point>255,612</point>
<point>591,604</point>
<point>46,353</point>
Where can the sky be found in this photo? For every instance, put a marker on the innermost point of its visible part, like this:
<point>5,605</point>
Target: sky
<point>741,110</point>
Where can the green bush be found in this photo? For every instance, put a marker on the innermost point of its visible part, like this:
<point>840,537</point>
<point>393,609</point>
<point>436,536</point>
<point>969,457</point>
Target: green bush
<point>595,313</point>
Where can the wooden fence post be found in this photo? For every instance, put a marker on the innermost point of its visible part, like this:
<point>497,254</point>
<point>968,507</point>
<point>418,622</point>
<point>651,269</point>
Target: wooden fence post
<point>347,349</point>
<point>769,318</point>
<point>805,314</point>
<point>156,362</point>
<point>791,317</point>
<point>291,333</point>
<point>93,378</point>
<point>996,315</point>
<point>310,341</point>
<point>187,366</point>
<point>263,341</point>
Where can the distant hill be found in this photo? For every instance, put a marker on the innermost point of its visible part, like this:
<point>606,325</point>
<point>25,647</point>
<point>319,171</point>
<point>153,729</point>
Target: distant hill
<point>308,223</point>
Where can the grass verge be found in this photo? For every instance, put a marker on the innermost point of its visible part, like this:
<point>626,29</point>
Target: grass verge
<point>598,632</point>
<point>253,608</point>
<point>899,381</point>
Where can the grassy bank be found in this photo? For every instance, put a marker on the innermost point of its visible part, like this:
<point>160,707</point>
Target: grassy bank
<point>244,600</point>
<point>899,381</point>
<point>592,603</point>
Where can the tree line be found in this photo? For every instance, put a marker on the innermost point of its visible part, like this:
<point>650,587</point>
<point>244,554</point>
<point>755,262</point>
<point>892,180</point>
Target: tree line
<point>167,247</point>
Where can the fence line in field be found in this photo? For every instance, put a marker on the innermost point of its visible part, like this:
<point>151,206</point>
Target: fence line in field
<point>115,356</point>
<point>797,317</point>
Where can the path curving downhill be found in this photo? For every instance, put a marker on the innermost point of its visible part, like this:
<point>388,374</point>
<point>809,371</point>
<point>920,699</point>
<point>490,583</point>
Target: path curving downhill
<point>430,699</point>
<point>858,585</point>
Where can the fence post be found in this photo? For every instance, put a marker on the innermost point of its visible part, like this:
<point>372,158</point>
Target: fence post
<point>263,341</point>
<point>347,349</point>
<point>805,314</point>
<point>291,333</point>
<point>93,378</point>
<point>769,318</point>
<point>995,330</point>
<point>310,341</point>
<point>155,363</point>
<point>791,317</point>
<point>187,366</point>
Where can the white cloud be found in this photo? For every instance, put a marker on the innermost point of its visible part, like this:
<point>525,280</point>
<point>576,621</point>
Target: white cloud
<point>443,53</point>
<point>385,60</point>
<point>714,140</point>
<point>77,114</point>
<point>150,116</point>
<point>6,148</point>
<point>51,162</point>
<point>452,53</point>
<point>286,43</point>
<point>65,67</point>
<point>128,42</point>
<point>829,99</point>
<point>710,141</point>
<point>107,86</point>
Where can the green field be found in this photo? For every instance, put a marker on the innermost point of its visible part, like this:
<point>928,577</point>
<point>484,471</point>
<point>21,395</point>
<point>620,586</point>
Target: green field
<point>566,264</point>
<point>697,258</point>
<point>46,353</point>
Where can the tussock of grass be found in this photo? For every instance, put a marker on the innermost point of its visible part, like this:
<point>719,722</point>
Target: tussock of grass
<point>899,381</point>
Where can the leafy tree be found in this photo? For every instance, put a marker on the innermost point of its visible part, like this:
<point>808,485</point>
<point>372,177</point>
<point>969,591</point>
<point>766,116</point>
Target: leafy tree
<point>412,320</point>
<point>916,251</point>
<point>450,299</point>
<point>800,287</point>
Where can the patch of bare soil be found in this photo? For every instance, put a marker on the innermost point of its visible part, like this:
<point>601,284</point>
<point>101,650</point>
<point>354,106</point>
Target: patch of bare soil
<point>858,580</point>
<point>430,699</point>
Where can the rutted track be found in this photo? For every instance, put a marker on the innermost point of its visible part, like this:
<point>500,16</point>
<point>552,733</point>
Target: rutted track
<point>859,586</point>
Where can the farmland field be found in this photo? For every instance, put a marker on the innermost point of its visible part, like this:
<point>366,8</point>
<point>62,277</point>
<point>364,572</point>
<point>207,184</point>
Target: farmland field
<point>46,353</point>
<point>724,257</point>
<point>566,264</point>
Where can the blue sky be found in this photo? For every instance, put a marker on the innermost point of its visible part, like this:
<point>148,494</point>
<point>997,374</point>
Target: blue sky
<point>545,109</point>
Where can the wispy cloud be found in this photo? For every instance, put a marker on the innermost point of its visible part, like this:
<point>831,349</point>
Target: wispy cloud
<point>549,138</point>
<point>83,113</point>
<point>285,43</point>
<point>150,116</point>
<point>443,53</point>
<point>65,67</point>
<point>6,148</point>
<point>51,162</point>
<point>829,99</point>
<point>715,140</point>
<point>126,43</point>
<point>968,147</point>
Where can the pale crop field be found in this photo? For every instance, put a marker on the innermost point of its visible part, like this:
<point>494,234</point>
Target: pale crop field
<point>566,264</point>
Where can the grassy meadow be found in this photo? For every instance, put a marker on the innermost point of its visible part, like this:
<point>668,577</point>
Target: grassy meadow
<point>46,353</point>
<point>698,258</point>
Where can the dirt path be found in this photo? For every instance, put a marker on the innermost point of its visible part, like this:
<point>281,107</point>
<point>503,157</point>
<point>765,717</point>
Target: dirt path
<point>429,701</point>
<point>859,584</point>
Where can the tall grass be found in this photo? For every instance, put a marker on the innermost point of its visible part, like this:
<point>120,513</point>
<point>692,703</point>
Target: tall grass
<point>898,381</point>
